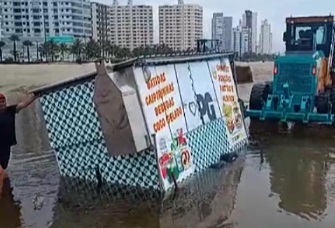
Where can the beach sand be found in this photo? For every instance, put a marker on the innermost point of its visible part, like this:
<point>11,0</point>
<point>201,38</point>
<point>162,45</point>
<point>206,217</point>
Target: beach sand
<point>15,79</point>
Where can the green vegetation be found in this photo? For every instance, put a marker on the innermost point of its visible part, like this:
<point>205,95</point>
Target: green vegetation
<point>85,51</point>
<point>14,39</point>
<point>27,44</point>
<point>2,44</point>
<point>51,51</point>
<point>253,57</point>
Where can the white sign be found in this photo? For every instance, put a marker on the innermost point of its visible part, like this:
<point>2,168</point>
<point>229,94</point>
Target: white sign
<point>160,100</point>
<point>225,89</point>
<point>164,114</point>
<point>171,106</point>
<point>197,92</point>
<point>188,96</point>
<point>204,88</point>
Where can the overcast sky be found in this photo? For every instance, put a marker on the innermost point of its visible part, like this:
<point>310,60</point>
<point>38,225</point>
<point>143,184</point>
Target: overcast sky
<point>273,10</point>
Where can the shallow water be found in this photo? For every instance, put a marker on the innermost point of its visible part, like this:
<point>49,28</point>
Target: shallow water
<point>285,179</point>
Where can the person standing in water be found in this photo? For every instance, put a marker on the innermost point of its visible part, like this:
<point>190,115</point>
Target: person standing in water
<point>7,130</point>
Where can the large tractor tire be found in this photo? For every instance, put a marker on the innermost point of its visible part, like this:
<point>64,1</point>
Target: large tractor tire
<point>322,103</point>
<point>259,94</point>
<point>270,86</point>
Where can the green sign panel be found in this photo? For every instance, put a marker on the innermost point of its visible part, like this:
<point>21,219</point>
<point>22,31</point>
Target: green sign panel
<point>61,39</point>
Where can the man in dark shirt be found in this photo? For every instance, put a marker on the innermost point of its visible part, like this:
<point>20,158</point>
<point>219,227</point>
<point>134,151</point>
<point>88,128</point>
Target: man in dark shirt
<point>7,129</point>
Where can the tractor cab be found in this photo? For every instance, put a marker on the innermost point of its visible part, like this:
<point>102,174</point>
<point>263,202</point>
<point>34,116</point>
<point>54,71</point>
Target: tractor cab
<point>308,46</point>
<point>308,34</point>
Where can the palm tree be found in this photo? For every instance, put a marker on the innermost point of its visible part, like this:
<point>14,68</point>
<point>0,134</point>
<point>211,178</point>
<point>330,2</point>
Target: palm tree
<point>54,49</point>
<point>77,48</point>
<point>49,48</point>
<point>17,53</point>
<point>103,45</point>
<point>14,38</point>
<point>163,48</point>
<point>138,51</point>
<point>2,44</point>
<point>27,44</point>
<point>63,48</point>
<point>42,50</point>
<point>112,50</point>
<point>119,52</point>
<point>92,50</point>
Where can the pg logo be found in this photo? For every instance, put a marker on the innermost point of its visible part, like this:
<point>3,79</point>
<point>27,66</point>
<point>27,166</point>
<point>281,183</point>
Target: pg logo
<point>206,107</point>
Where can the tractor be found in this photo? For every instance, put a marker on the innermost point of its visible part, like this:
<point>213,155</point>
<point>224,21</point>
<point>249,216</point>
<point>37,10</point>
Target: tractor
<point>303,86</point>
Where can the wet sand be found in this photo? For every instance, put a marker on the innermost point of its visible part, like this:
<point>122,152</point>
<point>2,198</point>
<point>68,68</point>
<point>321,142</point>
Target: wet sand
<point>285,179</point>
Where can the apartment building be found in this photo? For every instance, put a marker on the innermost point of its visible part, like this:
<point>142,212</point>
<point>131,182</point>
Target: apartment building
<point>249,20</point>
<point>130,25</point>
<point>222,28</point>
<point>0,20</point>
<point>241,39</point>
<point>99,14</point>
<point>237,40</point>
<point>218,27</point>
<point>265,38</point>
<point>228,33</point>
<point>36,20</point>
<point>181,25</point>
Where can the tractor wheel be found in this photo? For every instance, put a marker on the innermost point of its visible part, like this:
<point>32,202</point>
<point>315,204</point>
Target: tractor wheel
<point>322,102</point>
<point>259,93</point>
<point>270,86</point>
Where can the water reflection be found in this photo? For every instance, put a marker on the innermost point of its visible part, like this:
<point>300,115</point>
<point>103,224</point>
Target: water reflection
<point>296,163</point>
<point>298,176</point>
<point>298,167</point>
<point>207,201</point>
<point>10,214</point>
<point>210,202</point>
<point>33,170</point>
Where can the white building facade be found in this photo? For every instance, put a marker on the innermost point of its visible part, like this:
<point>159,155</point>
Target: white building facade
<point>99,17</point>
<point>218,27</point>
<point>181,25</point>
<point>249,20</point>
<point>130,26</point>
<point>222,28</point>
<point>38,20</point>
<point>241,39</point>
<point>265,38</point>
<point>0,20</point>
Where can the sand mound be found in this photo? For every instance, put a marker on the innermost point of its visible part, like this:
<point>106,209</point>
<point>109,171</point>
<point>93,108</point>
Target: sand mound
<point>244,74</point>
<point>260,70</point>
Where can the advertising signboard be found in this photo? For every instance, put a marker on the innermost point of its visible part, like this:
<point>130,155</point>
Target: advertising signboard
<point>225,89</point>
<point>165,118</point>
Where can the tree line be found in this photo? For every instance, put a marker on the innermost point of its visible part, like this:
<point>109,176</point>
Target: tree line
<point>51,51</point>
<point>250,56</point>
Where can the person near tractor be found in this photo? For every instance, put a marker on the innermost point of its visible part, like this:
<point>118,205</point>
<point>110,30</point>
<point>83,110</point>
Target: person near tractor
<point>7,130</point>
